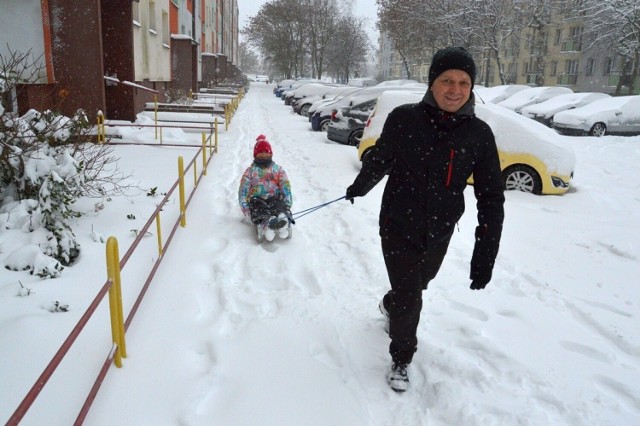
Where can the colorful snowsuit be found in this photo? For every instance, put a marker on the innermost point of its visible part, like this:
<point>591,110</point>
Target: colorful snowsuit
<point>267,182</point>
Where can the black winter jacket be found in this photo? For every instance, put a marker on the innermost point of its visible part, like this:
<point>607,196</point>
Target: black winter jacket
<point>429,154</point>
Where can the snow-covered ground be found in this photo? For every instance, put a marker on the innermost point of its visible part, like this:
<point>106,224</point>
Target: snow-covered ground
<point>232,332</point>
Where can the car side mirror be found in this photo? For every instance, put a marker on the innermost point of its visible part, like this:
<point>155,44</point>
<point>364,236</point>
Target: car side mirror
<point>618,112</point>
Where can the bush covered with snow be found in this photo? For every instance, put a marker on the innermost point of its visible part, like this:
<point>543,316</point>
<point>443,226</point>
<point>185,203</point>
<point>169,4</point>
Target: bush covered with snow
<point>42,174</point>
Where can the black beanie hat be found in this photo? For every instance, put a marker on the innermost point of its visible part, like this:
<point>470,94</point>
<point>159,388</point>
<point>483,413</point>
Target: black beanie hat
<point>452,58</point>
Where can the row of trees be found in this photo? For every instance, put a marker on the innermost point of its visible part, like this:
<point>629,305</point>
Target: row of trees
<point>489,28</point>
<point>308,38</point>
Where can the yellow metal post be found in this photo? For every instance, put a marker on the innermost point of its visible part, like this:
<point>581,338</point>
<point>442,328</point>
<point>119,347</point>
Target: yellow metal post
<point>183,212</point>
<point>115,301</point>
<point>100,126</point>
<point>159,232</point>
<point>216,136</point>
<point>195,172</point>
<point>155,113</point>
<point>204,154</point>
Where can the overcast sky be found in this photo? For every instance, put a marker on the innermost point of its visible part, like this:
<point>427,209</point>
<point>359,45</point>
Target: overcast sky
<point>364,8</point>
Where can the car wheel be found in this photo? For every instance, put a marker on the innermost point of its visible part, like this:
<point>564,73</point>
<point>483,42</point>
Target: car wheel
<point>355,137</point>
<point>598,129</point>
<point>304,110</point>
<point>522,178</point>
<point>324,125</point>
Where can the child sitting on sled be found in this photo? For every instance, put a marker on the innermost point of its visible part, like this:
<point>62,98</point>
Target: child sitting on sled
<point>265,194</point>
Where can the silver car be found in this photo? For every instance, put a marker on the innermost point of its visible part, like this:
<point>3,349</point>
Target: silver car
<point>617,115</point>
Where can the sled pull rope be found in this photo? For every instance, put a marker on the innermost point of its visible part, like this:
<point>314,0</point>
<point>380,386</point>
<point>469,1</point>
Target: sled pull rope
<point>298,215</point>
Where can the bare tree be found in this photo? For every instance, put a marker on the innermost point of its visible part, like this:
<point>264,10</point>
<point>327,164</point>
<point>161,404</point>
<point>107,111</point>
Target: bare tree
<point>321,29</point>
<point>278,32</point>
<point>492,24</point>
<point>349,49</point>
<point>409,24</point>
<point>614,26</point>
<point>247,59</point>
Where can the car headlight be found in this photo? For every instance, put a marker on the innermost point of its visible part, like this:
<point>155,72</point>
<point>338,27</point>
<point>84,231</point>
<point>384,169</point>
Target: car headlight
<point>559,183</point>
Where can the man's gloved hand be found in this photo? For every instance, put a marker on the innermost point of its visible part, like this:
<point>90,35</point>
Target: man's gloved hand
<point>478,284</point>
<point>350,194</point>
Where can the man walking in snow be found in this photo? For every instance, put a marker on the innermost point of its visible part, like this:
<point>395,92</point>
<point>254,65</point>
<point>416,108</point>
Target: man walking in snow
<point>429,150</point>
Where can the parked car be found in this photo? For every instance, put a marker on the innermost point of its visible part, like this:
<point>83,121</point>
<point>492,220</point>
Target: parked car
<point>533,157</point>
<point>262,79</point>
<point>399,82</point>
<point>302,106</point>
<point>532,95</point>
<point>306,90</point>
<point>282,86</point>
<point>347,123</point>
<point>295,85</point>
<point>362,82</point>
<point>322,116</point>
<point>615,115</point>
<point>328,100</point>
<point>544,111</point>
<point>497,94</point>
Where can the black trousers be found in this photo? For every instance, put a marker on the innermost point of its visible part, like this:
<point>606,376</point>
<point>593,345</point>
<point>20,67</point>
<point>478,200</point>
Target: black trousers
<point>410,268</point>
<point>262,209</point>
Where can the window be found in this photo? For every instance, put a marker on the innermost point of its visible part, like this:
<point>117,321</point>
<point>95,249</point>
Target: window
<point>558,36</point>
<point>571,67</point>
<point>591,65</point>
<point>576,38</point>
<point>152,16</point>
<point>165,29</point>
<point>554,68</point>
<point>608,65</point>
<point>135,13</point>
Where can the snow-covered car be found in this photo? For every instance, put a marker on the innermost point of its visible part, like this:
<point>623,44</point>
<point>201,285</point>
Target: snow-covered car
<point>301,106</point>
<point>309,89</point>
<point>497,94</point>
<point>532,95</point>
<point>544,111</point>
<point>282,86</point>
<point>362,82</point>
<point>347,123</point>
<point>262,79</point>
<point>286,94</point>
<point>322,116</point>
<point>533,157</point>
<point>329,99</point>
<point>615,115</point>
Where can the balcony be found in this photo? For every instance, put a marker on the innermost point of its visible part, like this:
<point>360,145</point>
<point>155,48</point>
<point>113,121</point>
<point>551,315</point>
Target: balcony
<point>615,77</point>
<point>532,78</point>
<point>571,46</point>
<point>567,80</point>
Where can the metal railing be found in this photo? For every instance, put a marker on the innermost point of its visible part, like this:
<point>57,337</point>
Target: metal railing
<point>112,286</point>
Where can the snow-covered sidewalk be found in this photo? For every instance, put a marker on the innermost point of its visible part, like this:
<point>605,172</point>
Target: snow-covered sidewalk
<point>233,332</point>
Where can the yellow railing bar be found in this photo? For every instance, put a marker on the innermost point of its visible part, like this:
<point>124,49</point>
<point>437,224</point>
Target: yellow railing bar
<point>115,301</point>
<point>183,213</point>
<point>159,232</point>
<point>204,154</point>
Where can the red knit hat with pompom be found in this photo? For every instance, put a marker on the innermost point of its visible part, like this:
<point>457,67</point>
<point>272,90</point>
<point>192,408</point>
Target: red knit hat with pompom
<point>262,146</point>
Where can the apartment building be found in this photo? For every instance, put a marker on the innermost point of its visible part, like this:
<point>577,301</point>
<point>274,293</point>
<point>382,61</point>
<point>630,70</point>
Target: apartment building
<point>558,56</point>
<point>114,56</point>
